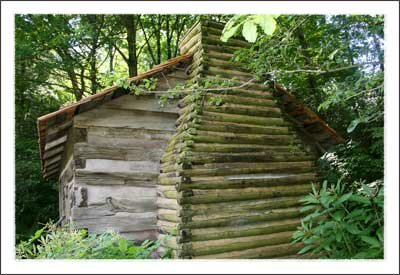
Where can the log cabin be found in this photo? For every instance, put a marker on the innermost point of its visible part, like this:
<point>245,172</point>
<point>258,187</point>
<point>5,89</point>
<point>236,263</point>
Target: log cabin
<point>210,181</point>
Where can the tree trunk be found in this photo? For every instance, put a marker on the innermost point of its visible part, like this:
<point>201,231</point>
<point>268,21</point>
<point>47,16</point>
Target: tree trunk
<point>111,58</point>
<point>75,85</point>
<point>158,39</point>
<point>169,37</point>
<point>93,71</point>
<point>311,80</point>
<point>130,23</point>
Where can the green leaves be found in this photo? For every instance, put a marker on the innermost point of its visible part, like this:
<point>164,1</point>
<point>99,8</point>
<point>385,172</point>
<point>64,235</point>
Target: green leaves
<point>250,31</point>
<point>266,22</point>
<point>370,240</point>
<point>249,24</point>
<point>342,224</point>
<point>69,243</point>
<point>353,124</point>
<point>360,199</point>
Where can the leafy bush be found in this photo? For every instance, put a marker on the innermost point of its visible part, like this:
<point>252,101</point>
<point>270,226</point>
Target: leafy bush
<point>343,224</point>
<point>68,243</point>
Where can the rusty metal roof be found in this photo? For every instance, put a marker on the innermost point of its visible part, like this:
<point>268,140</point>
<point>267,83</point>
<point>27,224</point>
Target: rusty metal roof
<point>53,127</point>
<point>305,118</point>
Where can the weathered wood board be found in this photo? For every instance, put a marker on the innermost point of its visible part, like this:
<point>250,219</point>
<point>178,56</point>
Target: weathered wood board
<point>118,147</point>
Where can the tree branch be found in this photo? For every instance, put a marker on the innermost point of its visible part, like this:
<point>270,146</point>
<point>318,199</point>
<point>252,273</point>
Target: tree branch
<point>320,71</point>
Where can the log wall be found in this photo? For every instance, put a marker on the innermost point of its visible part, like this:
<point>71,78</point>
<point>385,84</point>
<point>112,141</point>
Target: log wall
<point>232,175</point>
<point>110,179</point>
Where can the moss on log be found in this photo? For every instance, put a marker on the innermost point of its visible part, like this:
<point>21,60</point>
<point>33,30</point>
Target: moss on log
<point>236,138</point>
<point>203,158</point>
<point>237,244</point>
<point>249,181</point>
<point>233,148</point>
<point>239,109</point>
<point>235,231</point>
<point>245,119</point>
<point>169,215</point>
<point>240,218</point>
<point>250,193</point>
<point>257,253</point>
<point>165,203</point>
<point>235,206</point>
<point>227,127</point>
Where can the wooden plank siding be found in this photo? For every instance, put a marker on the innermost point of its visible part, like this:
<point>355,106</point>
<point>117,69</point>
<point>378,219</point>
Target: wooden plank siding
<point>110,181</point>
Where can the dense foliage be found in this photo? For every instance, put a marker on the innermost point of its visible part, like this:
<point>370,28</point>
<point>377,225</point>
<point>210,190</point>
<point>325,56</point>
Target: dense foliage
<point>51,242</point>
<point>343,224</point>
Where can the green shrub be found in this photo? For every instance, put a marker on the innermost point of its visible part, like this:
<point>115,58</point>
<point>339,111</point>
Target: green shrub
<point>68,243</point>
<point>343,224</point>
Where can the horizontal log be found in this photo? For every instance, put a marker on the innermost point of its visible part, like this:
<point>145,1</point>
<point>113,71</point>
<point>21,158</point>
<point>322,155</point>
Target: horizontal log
<point>166,227</point>
<point>235,231</point>
<point>255,180</point>
<point>246,165</point>
<point>119,222</point>
<point>122,197</point>
<point>168,241</point>
<point>241,217</point>
<point>209,38</point>
<point>249,168</point>
<point>217,126</point>
<point>218,55</point>
<point>253,86</point>
<point>238,244</point>
<point>168,167</point>
<point>89,151</point>
<point>233,148</point>
<point>167,192</point>
<point>220,48</point>
<point>213,24</point>
<point>266,156</point>
<point>240,109</point>
<point>243,100</point>
<point>211,30</point>
<point>252,120</point>
<point>246,93</point>
<point>248,205</point>
<point>119,118</point>
<point>104,136</point>
<point>167,203</point>
<point>224,64</point>
<point>169,215</point>
<point>145,102</point>
<point>164,180</point>
<point>250,193</point>
<point>236,138</point>
<point>133,175</point>
<point>214,71</point>
<point>257,253</point>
